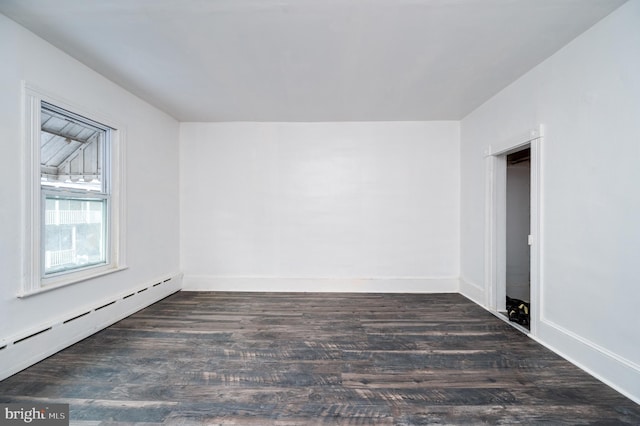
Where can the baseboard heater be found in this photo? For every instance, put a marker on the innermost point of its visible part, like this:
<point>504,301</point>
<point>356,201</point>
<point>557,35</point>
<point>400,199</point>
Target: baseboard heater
<point>31,346</point>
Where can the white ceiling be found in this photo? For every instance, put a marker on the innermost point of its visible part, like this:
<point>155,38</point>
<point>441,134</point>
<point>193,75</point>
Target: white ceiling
<point>310,60</point>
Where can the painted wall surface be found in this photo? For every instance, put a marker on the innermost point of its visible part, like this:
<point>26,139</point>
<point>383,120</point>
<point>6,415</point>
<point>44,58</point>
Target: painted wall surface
<point>151,151</point>
<point>587,96</point>
<point>518,226</point>
<point>312,203</point>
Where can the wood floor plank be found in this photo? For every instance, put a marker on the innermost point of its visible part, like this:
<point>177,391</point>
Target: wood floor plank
<point>306,359</point>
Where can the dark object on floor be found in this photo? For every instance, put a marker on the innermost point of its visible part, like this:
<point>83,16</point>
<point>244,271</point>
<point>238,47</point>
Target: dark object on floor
<point>518,311</point>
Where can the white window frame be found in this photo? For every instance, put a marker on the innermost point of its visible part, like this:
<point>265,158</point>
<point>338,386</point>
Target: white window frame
<point>34,280</point>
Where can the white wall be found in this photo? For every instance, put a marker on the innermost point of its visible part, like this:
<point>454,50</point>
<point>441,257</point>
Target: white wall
<point>587,96</point>
<point>320,206</point>
<point>151,150</point>
<point>518,227</point>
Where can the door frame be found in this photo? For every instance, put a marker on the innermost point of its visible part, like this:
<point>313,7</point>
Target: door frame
<point>495,222</point>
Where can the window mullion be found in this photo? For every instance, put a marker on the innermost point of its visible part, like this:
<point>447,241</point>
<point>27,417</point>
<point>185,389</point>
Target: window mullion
<point>58,193</point>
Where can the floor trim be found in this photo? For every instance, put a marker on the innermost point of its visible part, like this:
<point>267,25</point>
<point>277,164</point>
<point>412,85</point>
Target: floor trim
<point>322,285</point>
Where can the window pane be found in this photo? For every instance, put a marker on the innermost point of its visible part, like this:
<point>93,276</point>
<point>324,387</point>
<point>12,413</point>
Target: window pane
<point>74,233</point>
<point>71,150</point>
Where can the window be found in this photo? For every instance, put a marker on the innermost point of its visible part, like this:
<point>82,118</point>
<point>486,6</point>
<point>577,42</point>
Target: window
<point>75,191</point>
<point>73,195</point>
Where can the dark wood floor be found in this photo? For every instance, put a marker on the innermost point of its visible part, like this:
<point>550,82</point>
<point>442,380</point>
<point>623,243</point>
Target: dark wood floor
<point>294,359</point>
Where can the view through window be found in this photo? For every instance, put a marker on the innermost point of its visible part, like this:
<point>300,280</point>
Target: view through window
<point>75,191</point>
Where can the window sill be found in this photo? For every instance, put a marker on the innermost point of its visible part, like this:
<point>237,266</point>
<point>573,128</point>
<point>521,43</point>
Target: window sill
<point>53,283</point>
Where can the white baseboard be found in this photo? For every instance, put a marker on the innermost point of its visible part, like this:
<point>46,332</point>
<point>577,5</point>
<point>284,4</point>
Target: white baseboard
<point>472,291</point>
<point>320,285</point>
<point>617,372</point>
<point>21,351</point>
<point>608,367</point>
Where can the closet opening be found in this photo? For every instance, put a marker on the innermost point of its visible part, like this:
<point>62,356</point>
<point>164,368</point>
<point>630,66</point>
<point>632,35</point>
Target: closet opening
<point>513,224</point>
<point>517,235</point>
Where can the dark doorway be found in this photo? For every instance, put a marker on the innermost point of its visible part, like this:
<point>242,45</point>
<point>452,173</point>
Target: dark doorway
<point>518,229</point>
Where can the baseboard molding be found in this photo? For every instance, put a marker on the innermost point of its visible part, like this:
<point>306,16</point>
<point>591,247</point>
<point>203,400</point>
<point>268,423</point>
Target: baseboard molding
<point>617,372</point>
<point>472,291</point>
<point>21,351</point>
<point>613,370</point>
<point>331,285</point>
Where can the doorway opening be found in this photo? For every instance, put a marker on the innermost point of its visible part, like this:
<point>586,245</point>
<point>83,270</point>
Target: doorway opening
<point>517,237</point>
<point>513,230</point>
